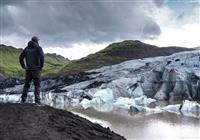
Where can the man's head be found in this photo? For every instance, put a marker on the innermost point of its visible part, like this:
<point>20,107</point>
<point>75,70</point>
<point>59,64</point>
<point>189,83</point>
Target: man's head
<point>35,39</point>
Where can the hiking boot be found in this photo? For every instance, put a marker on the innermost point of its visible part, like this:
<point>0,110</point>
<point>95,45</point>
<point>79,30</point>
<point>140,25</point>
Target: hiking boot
<point>23,101</point>
<point>38,103</point>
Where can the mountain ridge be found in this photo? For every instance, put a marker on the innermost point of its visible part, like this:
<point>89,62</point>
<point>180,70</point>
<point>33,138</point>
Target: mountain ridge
<point>113,54</point>
<point>118,52</point>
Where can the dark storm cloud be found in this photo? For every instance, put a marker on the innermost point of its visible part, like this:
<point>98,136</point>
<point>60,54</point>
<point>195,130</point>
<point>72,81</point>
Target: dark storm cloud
<point>159,3</point>
<point>12,2</point>
<point>69,21</point>
<point>6,20</point>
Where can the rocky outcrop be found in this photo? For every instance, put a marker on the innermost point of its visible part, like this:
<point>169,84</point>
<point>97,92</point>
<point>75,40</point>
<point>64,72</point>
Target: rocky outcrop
<point>30,122</point>
<point>58,57</point>
<point>9,83</point>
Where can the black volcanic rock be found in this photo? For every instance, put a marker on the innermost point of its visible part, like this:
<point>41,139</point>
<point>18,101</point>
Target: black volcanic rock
<point>2,77</point>
<point>30,122</point>
<point>57,56</point>
<point>9,82</point>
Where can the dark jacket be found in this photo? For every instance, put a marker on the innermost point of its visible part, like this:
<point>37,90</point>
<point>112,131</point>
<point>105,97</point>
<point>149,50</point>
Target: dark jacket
<point>34,57</point>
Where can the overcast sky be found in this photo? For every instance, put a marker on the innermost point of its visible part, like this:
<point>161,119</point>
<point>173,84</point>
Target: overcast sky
<point>76,28</point>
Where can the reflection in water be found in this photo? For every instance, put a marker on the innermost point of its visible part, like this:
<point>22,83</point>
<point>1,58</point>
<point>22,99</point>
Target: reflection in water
<point>160,126</point>
<point>94,120</point>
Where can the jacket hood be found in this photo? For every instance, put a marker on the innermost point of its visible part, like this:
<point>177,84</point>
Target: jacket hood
<point>32,44</point>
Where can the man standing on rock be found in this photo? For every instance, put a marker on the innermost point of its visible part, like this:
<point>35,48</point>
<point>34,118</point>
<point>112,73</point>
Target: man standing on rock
<point>34,57</point>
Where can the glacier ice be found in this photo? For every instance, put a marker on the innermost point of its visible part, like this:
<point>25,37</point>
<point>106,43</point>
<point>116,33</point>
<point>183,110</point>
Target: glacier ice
<point>9,98</point>
<point>16,98</point>
<point>190,106</point>
<point>129,85</point>
<point>105,95</point>
<point>139,104</point>
<point>85,103</point>
<point>187,108</point>
<point>126,103</point>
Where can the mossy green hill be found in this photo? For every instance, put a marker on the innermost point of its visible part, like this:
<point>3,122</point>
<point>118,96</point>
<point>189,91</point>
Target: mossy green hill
<point>113,54</point>
<point>119,52</point>
<point>9,62</point>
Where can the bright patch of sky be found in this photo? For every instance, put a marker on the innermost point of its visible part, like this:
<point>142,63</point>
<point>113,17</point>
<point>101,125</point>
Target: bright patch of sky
<point>180,24</point>
<point>76,51</point>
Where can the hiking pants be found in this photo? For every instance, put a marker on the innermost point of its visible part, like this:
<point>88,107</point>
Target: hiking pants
<point>32,75</point>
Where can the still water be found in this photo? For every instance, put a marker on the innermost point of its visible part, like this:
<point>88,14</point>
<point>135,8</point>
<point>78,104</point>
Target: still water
<point>161,126</point>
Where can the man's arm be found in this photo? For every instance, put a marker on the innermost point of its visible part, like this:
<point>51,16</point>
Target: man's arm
<point>21,59</point>
<point>41,57</point>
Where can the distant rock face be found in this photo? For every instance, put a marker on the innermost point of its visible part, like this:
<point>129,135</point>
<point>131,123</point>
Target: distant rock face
<point>57,56</point>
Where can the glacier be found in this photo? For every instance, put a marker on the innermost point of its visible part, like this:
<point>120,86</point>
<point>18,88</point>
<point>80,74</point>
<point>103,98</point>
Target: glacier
<point>131,85</point>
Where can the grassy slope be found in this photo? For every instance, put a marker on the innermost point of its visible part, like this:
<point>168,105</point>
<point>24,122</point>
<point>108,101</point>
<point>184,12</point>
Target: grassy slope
<point>9,64</point>
<point>118,52</point>
<point>197,48</point>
